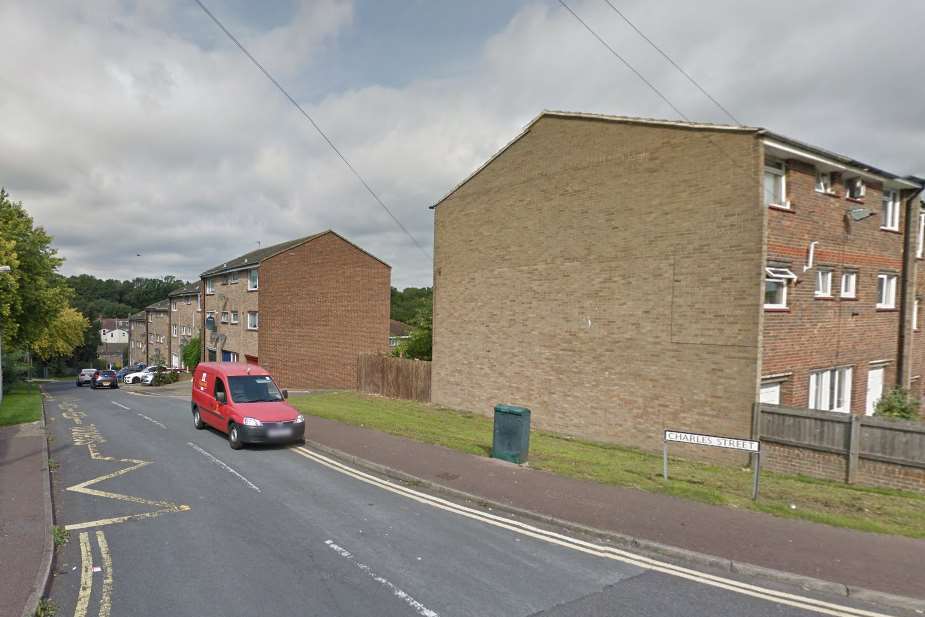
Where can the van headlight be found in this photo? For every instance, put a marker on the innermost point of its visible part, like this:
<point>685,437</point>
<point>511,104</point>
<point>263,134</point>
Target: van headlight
<point>252,422</point>
<point>299,418</point>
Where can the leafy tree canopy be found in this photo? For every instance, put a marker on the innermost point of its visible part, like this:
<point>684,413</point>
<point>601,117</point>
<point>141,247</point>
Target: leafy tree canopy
<point>62,336</point>
<point>408,302</point>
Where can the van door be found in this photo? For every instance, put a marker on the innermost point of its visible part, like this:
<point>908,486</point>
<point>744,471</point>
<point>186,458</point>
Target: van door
<point>222,410</point>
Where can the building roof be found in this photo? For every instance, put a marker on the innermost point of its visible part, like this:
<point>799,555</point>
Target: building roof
<point>398,328</point>
<point>139,316</point>
<point>256,257</point>
<point>160,305</point>
<point>187,290</point>
<point>910,181</point>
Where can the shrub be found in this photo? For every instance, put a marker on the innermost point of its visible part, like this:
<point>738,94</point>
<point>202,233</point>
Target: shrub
<point>14,369</point>
<point>162,379</point>
<point>191,353</point>
<point>897,403</point>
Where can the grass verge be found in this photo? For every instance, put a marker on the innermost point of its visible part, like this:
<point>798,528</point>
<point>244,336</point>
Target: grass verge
<point>22,404</point>
<point>856,507</point>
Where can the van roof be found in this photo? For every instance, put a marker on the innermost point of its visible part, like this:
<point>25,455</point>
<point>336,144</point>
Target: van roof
<point>232,369</point>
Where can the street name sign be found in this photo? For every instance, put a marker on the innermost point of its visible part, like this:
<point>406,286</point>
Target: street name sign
<point>753,447</point>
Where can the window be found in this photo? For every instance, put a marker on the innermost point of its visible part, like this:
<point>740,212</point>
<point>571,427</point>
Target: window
<point>188,300</point>
<point>173,305</point>
<point>198,302</point>
<point>849,284</point>
<point>886,291</point>
<point>150,318</point>
<point>232,277</point>
<point>921,246</point>
<point>890,210</point>
<point>173,330</point>
<point>823,283</point>
<point>915,314</point>
<point>210,286</point>
<point>830,389</point>
<point>252,320</point>
<point>234,317</point>
<point>775,191</point>
<point>770,393</point>
<point>775,287</point>
<point>254,389</point>
<point>151,339</point>
<point>824,182</point>
<point>855,188</point>
<point>219,387</point>
<point>224,316</point>
<point>253,279</point>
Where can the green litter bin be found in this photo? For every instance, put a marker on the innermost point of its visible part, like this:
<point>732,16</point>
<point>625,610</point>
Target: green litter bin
<point>511,440</point>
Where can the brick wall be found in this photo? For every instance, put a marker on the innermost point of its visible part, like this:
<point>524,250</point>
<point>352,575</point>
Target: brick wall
<point>183,314</point>
<point>138,342</point>
<point>232,296</point>
<point>321,305</point>
<point>159,328</point>
<point>819,333</point>
<point>608,276</point>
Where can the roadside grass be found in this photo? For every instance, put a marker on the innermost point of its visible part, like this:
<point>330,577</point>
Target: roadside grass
<point>60,535</point>
<point>23,403</point>
<point>856,507</point>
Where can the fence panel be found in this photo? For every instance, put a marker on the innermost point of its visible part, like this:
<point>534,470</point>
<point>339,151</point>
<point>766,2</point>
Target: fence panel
<point>394,377</point>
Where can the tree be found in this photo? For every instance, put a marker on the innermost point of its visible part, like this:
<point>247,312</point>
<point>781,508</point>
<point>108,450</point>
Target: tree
<point>419,344</point>
<point>62,335</point>
<point>408,302</point>
<point>37,293</point>
<point>191,353</point>
<point>897,403</point>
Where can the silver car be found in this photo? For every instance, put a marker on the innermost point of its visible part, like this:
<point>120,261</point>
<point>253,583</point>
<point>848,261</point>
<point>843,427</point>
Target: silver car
<point>85,377</point>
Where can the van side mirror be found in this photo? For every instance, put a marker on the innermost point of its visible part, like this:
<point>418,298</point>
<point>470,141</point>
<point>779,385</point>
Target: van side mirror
<point>221,397</point>
<point>285,393</point>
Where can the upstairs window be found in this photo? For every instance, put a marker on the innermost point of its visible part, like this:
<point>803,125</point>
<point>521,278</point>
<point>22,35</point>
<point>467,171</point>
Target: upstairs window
<point>886,291</point>
<point>173,305</point>
<point>915,314</point>
<point>824,182</point>
<point>830,389</point>
<point>253,279</point>
<point>775,287</point>
<point>233,277</point>
<point>210,286</point>
<point>775,189</point>
<point>224,316</point>
<point>234,317</point>
<point>855,188</point>
<point>921,246</point>
<point>823,283</point>
<point>173,330</point>
<point>890,210</point>
<point>252,320</point>
<point>849,284</point>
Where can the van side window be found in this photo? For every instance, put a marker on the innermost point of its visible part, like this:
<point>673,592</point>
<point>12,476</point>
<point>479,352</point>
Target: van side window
<point>219,386</point>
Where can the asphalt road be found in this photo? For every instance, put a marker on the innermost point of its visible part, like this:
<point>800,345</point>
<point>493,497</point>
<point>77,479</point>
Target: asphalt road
<point>167,520</point>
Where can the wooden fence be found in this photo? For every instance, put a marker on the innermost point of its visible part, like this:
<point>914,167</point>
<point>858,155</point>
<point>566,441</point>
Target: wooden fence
<point>394,377</point>
<point>855,438</point>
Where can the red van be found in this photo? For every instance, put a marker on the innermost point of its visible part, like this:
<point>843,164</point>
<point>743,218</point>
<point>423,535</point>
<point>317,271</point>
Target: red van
<point>244,401</point>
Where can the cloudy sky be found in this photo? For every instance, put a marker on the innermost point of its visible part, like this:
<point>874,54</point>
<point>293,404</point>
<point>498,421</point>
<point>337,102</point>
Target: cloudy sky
<point>137,127</point>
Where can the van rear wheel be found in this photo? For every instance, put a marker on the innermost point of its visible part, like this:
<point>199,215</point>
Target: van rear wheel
<point>234,440</point>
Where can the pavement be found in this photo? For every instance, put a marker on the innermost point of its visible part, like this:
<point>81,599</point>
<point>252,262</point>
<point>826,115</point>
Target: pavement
<point>168,520</point>
<point>25,517</point>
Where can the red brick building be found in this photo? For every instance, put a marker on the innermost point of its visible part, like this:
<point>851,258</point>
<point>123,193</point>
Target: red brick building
<point>303,309</point>
<point>621,276</point>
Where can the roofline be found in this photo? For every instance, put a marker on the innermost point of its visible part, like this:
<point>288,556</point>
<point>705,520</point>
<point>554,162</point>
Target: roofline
<point>324,233</point>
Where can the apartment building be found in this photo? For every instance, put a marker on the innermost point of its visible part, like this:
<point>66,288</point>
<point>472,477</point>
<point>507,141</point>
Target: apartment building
<point>642,274</point>
<point>185,320</point>
<point>302,309</point>
<point>138,338</point>
<point>157,322</point>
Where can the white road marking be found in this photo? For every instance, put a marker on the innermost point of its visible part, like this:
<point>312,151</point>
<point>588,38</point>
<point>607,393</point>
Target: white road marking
<point>222,465</point>
<point>590,548</point>
<point>419,608</point>
<point>120,405</point>
<point>152,420</point>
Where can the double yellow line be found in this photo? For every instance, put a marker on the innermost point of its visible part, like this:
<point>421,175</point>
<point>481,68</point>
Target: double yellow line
<point>590,548</point>
<point>86,575</point>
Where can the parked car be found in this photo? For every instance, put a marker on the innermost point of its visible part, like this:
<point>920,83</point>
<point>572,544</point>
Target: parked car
<point>104,379</point>
<point>122,372</point>
<point>85,376</point>
<point>137,376</point>
<point>147,377</point>
<point>243,401</point>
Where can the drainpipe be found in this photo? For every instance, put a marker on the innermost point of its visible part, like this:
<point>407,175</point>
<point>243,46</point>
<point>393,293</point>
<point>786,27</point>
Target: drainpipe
<point>906,282</point>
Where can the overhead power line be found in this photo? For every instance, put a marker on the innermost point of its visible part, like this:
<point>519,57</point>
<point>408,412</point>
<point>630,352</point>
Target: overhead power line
<point>313,123</point>
<point>673,63</point>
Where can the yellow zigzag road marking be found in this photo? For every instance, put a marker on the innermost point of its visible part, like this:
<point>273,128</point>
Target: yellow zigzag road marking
<point>89,436</point>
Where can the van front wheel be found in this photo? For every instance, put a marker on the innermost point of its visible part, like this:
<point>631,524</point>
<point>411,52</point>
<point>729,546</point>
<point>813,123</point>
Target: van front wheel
<point>197,421</point>
<point>234,440</point>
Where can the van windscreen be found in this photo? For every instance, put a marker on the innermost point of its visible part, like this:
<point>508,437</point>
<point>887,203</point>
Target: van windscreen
<point>253,389</point>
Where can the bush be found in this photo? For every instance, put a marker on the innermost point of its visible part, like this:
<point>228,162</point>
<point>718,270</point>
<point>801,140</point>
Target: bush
<point>897,403</point>
<point>14,369</point>
<point>191,353</point>
<point>162,379</point>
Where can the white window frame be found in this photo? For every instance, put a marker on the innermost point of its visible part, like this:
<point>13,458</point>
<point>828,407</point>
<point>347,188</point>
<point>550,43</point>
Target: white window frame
<point>886,294</point>
<point>234,317</point>
<point>173,305</point>
<point>921,246</point>
<point>830,389</point>
<point>225,316</point>
<point>253,279</point>
<point>256,320</point>
<point>823,283</point>
<point>915,314</point>
<point>889,212</point>
<point>781,276</point>
<point>210,286</point>
<point>233,277</point>
<point>824,182</point>
<point>770,167</point>
<point>173,330</point>
<point>859,187</point>
<point>849,284</point>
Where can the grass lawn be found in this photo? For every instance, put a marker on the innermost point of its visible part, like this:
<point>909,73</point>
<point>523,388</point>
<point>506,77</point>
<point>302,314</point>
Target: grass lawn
<point>868,509</point>
<point>22,404</point>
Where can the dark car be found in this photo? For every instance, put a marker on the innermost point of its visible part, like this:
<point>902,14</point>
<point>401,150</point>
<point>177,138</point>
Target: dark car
<point>134,368</point>
<point>104,379</point>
